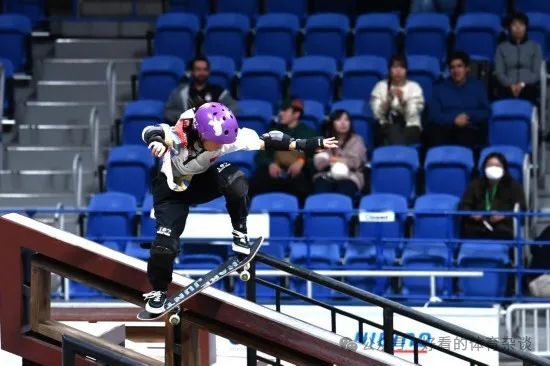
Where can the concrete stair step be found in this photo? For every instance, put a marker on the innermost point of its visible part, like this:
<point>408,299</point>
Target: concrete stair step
<point>51,157</point>
<point>110,29</point>
<point>61,135</point>
<point>90,69</point>
<point>43,112</point>
<point>88,91</point>
<point>100,48</point>
<point>37,181</point>
<point>120,8</point>
<point>36,199</point>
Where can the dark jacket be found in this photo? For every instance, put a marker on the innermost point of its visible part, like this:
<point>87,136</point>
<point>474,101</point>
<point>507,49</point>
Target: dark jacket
<point>518,62</point>
<point>450,99</point>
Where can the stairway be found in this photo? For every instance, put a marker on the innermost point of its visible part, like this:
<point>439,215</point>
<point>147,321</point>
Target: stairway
<point>70,82</point>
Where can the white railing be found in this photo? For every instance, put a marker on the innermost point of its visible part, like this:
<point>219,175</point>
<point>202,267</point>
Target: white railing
<point>94,135</point>
<point>111,91</point>
<point>517,318</point>
<point>77,179</point>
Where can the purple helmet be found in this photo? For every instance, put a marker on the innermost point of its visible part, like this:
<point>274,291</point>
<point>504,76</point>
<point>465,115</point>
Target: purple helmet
<point>215,122</point>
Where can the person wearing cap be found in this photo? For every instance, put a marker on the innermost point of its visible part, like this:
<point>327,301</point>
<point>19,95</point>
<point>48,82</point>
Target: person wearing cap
<point>518,61</point>
<point>285,171</point>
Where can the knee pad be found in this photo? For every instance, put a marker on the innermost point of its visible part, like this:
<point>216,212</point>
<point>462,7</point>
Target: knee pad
<point>165,246</point>
<point>232,181</point>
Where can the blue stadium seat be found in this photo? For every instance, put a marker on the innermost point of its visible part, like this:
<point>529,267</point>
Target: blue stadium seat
<point>376,35</point>
<point>255,114</point>
<point>199,8</point>
<point>129,170</point>
<point>426,34</point>
<point>216,205</point>
<point>276,36</point>
<point>314,114</point>
<point>347,7</point>
<point>78,290</point>
<point>33,9</point>
<point>283,211</point>
<point>222,71</point>
<point>262,78</point>
<point>134,249</point>
<point>226,35</point>
<point>425,70</point>
<point>448,169</point>
<point>147,224</point>
<point>294,7</point>
<point>362,119</point>
<point>477,34</point>
<point>515,156</point>
<point>497,7</point>
<point>243,159</point>
<point>175,35</point>
<point>360,74</point>
<point>9,104</point>
<point>158,76</point>
<point>394,170</point>
<point>325,35</point>
<point>137,115</point>
<point>510,123</point>
<point>245,7</point>
<point>534,6</point>
<point>539,31</point>
<point>313,78</point>
<point>111,214</point>
<point>435,252</point>
<point>476,256</point>
<point>15,31</point>
<point>199,260</point>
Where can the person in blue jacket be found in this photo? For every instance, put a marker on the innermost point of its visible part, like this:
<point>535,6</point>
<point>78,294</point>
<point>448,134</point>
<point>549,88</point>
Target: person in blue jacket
<point>459,108</point>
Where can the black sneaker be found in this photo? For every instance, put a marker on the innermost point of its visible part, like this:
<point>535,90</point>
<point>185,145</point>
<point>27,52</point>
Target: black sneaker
<point>240,243</point>
<point>155,301</point>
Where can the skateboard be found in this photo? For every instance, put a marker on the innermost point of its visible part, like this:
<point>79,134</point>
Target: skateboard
<point>232,264</point>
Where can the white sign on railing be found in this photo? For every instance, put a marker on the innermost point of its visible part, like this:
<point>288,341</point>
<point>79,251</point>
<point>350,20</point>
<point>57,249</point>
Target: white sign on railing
<point>384,216</point>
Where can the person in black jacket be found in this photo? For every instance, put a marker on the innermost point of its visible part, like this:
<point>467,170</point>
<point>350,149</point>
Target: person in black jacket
<point>496,190</point>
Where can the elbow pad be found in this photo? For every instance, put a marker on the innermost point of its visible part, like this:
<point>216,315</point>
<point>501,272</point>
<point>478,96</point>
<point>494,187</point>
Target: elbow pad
<point>152,133</point>
<point>276,140</point>
<point>310,144</point>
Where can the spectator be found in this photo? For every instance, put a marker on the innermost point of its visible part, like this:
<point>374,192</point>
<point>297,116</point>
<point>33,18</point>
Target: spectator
<point>181,98</point>
<point>341,170</point>
<point>397,104</point>
<point>517,62</point>
<point>285,171</point>
<point>459,108</point>
<point>496,190</point>
<point>433,6</point>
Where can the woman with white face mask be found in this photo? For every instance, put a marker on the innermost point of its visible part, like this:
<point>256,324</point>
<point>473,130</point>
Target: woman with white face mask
<point>495,190</point>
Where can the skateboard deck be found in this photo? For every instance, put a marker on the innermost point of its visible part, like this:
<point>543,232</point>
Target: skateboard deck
<point>231,265</point>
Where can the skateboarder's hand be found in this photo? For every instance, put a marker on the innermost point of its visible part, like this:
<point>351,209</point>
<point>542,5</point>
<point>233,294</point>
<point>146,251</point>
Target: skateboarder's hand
<point>157,148</point>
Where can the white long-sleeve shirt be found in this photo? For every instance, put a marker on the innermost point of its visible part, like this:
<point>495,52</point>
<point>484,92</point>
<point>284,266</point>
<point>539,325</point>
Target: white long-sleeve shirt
<point>411,109</point>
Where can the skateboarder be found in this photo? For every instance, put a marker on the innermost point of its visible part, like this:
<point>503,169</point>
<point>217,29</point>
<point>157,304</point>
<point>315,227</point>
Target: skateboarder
<point>190,175</point>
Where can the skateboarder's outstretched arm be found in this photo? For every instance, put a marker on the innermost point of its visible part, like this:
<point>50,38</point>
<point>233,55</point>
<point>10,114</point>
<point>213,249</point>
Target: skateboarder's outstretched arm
<point>276,140</point>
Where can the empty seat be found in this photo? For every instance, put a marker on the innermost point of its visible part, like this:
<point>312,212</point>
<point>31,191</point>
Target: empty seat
<point>325,35</point>
<point>533,6</point>
<point>539,31</point>
<point>245,7</point>
<point>175,35</point>
<point>33,9</point>
<point>376,35</point>
<point>425,70</point>
<point>426,34</point>
<point>477,34</point>
<point>15,31</point>
<point>199,8</point>
<point>222,71</point>
<point>517,160</point>
<point>497,7</point>
<point>313,78</point>
<point>243,159</point>
<point>394,170</point>
<point>215,205</point>
<point>147,223</point>
<point>360,74</point>
<point>255,114</point>
<point>129,170</point>
<point>111,214</point>
<point>295,7</point>
<point>480,255</point>
<point>448,169</point>
<point>137,115</point>
<point>511,123</point>
<point>158,76</point>
<point>262,78</point>
<point>226,35</point>
<point>314,114</point>
<point>362,119</point>
<point>8,87</point>
<point>276,36</point>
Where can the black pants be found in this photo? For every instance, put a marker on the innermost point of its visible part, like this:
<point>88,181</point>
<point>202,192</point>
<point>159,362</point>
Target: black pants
<point>328,185</point>
<point>437,135</point>
<point>393,134</point>
<point>299,185</point>
<point>530,92</point>
<point>172,208</point>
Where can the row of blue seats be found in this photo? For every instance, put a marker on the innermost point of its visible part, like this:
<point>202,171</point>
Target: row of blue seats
<point>394,169</point>
<point>301,8</point>
<point>329,35</point>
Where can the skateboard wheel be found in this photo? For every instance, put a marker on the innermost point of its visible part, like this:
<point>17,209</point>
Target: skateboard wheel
<point>247,266</point>
<point>174,319</point>
<point>245,275</point>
